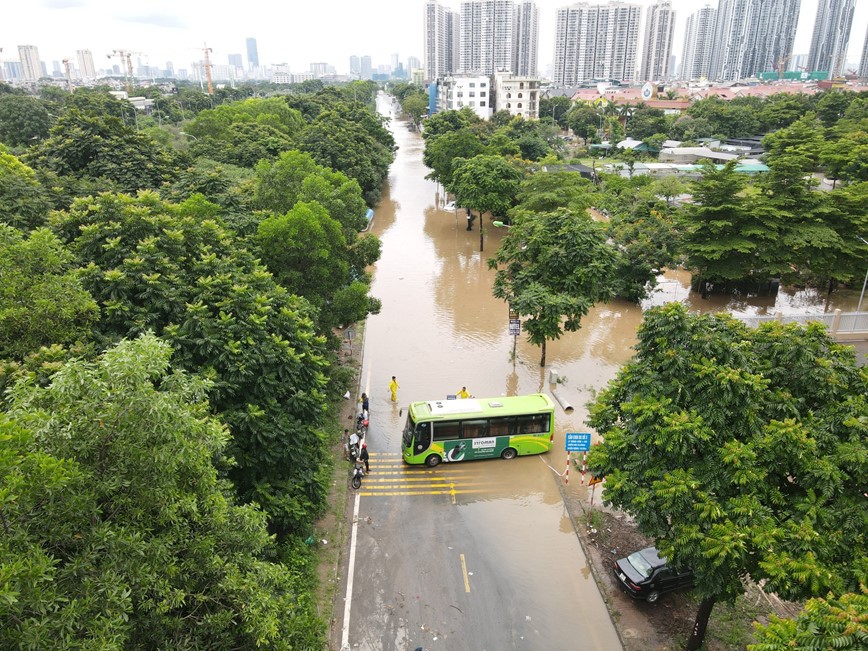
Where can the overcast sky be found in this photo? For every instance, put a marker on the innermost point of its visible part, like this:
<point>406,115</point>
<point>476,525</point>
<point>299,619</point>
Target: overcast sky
<point>297,32</point>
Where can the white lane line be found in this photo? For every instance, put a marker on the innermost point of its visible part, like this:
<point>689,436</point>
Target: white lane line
<point>348,599</point>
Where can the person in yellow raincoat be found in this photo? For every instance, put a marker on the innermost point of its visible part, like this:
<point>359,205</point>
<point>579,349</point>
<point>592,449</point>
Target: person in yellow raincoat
<point>393,389</point>
<point>461,395</point>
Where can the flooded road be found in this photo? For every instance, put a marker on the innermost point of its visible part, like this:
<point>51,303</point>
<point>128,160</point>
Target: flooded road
<point>479,555</point>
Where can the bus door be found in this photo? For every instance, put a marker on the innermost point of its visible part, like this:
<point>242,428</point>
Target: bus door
<point>421,438</point>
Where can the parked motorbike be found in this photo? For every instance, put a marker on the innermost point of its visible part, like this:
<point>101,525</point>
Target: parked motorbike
<point>358,473</point>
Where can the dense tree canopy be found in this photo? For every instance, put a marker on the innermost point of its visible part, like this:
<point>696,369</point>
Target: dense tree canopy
<point>23,120</point>
<point>118,532</point>
<point>742,452</point>
<point>102,147</point>
<point>156,266</point>
<point>24,203</point>
<point>42,301</point>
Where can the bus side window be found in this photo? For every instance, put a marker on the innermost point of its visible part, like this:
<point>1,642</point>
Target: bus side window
<point>499,426</point>
<point>474,429</point>
<point>447,431</point>
<point>535,424</point>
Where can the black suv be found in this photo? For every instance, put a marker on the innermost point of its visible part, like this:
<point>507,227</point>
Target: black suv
<point>645,575</point>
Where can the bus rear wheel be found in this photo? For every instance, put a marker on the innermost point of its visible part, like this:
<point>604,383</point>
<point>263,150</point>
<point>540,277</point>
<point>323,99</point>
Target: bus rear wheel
<point>508,453</point>
<point>432,460</point>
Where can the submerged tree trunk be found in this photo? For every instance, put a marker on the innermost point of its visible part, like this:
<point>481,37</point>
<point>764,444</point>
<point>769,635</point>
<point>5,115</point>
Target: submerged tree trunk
<point>542,361</point>
<point>481,221</point>
<point>697,635</point>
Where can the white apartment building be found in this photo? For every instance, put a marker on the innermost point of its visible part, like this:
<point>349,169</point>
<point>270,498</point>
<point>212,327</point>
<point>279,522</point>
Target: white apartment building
<point>486,36</point>
<point>517,94</point>
<point>731,35</point>
<point>442,29</point>
<point>454,92</point>
<point>31,66</point>
<point>525,37</point>
<point>86,68</point>
<point>659,32</point>
<point>596,42</point>
<point>696,53</point>
<point>831,36</point>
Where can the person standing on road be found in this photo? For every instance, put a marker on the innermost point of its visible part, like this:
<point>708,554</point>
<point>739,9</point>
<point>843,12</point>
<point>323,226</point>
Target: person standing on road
<point>463,394</point>
<point>393,389</point>
<point>365,404</point>
<point>363,456</point>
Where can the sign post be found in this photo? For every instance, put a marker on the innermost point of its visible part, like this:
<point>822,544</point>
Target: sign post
<point>514,328</point>
<point>577,442</point>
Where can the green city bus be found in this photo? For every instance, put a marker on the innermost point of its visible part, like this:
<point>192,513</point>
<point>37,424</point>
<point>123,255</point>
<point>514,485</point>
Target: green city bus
<point>478,428</point>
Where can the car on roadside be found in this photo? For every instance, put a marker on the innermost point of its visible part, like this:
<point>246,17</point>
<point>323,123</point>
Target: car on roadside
<point>450,205</point>
<point>646,575</point>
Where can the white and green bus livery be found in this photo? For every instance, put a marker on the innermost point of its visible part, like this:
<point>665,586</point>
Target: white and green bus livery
<point>478,428</point>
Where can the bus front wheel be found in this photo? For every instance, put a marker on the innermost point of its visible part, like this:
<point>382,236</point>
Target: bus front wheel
<point>508,453</point>
<point>432,460</point>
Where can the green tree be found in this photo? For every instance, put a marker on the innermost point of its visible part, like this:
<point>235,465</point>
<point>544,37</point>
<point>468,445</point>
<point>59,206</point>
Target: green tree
<point>345,146</point>
<point>24,203</point>
<point>741,452</point>
<point>23,120</point>
<point>721,236</point>
<point>118,531</point>
<point>173,269</point>
<point>647,243</point>
<point>442,152</point>
<point>556,109</point>
<point>99,146</point>
<point>830,623</point>
<point>295,176</point>
<point>305,250</point>
<point>584,122</point>
<point>415,105</point>
<point>243,144</point>
<point>485,184</point>
<point>42,301</point>
<point>645,122</point>
<point>552,268</point>
<point>549,191</point>
<point>446,121</point>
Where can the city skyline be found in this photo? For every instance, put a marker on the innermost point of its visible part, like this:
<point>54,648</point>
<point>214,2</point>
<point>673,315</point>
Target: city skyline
<point>177,32</point>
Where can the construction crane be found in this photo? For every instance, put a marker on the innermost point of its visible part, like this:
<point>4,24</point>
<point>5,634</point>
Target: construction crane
<point>125,57</point>
<point>207,65</point>
<point>68,68</point>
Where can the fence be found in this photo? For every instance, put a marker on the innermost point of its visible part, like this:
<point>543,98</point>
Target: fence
<point>843,326</point>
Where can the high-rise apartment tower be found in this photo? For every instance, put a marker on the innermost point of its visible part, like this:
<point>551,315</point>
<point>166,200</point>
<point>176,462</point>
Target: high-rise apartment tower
<point>86,69</point>
<point>252,53</point>
<point>770,41</point>
<point>486,36</point>
<point>659,31</point>
<point>31,66</point>
<point>831,36</point>
<point>441,40</point>
<point>863,62</point>
<point>596,42</point>
<point>698,41</point>
<point>525,37</point>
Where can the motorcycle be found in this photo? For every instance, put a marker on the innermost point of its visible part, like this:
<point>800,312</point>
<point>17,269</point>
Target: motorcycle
<point>362,424</point>
<point>358,473</point>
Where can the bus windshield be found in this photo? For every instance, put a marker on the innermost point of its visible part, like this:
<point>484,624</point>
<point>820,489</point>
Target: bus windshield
<point>477,428</point>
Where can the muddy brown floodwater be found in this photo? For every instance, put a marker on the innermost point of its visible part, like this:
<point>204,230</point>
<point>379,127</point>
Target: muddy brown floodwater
<point>495,563</point>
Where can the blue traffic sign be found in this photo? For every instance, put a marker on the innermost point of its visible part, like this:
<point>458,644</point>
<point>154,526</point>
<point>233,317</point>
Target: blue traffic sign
<point>578,441</point>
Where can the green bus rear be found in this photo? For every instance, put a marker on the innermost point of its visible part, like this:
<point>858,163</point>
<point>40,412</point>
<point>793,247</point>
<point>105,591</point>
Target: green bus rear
<point>477,428</point>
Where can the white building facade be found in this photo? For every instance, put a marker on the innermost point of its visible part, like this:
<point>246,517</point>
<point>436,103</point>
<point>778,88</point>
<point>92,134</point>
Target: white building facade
<point>454,92</point>
<point>86,68</point>
<point>517,94</point>
<point>659,32</point>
